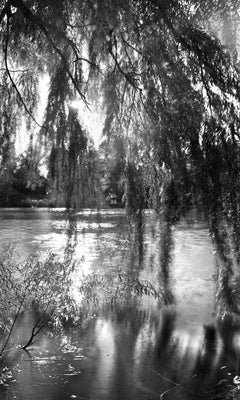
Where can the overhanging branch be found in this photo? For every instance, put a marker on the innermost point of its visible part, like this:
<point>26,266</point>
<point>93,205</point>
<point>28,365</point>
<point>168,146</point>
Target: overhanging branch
<point>45,29</point>
<point>12,81</point>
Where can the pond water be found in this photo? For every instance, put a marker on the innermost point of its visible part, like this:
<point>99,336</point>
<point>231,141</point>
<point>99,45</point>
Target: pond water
<point>139,348</point>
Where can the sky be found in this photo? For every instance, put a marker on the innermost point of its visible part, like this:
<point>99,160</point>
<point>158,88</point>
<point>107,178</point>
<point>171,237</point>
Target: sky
<point>91,119</point>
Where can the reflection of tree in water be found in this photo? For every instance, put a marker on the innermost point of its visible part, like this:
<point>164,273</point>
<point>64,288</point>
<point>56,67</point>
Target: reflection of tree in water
<point>142,237</point>
<point>135,204</point>
<point>127,322</point>
<point>137,197</point>
<point>225,361</point>
<point>149,357</point>
<point>161,361</point>
<point>122,252</point>
<point>227,272</point>
<point>136,238</point>
<point>165,253</point>
<point>162,356</point>
<point>146,360</point>
<point>203,371</point>
<point>71,235</point>
<point>216,363</point>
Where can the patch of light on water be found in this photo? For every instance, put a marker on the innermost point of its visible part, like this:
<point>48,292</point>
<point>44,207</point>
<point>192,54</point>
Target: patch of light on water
<point>236,341</point>
<point>90,211</point>
<point>58,243</point>
<point>46,360</point>
<point>188,342</point>
<point>106,351</point>
<point>81,225</point>
<point>195,345</point>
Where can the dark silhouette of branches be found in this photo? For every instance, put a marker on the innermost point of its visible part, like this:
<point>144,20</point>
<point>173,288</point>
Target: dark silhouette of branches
<point>45,29</point>
<point>41,323</point>
<point>11,79</point>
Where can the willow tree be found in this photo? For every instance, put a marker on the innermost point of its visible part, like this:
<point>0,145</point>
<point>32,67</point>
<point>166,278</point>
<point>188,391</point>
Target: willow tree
<point>168,85</point>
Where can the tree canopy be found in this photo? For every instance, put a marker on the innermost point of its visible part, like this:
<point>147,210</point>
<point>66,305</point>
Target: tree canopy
<point>166,74</point>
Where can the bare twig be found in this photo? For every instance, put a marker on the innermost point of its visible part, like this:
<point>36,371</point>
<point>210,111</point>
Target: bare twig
<point>37,328</point>
<point>130,45</point>
<point>86,60</point>
<point>205,83</point>
<point>122,99</point>
<point>167,379</point>
<point>169,390</point>
<point>127,76</point>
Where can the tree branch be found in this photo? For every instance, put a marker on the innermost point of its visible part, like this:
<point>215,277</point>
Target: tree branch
<point>127,76</point>
<point>12,81</point>
<point>38,327</point>
<point>43,27</point>
<point>205,84</point>
<point>131,46</point>
<point>14,321</point>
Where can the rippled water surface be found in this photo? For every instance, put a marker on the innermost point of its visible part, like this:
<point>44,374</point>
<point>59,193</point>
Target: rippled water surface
<point>140,348</point>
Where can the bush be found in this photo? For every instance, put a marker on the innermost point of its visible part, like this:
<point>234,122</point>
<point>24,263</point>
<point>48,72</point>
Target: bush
<point>42,283</point>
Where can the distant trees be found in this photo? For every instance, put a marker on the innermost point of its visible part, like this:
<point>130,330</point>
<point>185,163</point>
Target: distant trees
<point>27,175</point>
<point>73,167</point>
<point>21,179</point>
<point>112,154</point>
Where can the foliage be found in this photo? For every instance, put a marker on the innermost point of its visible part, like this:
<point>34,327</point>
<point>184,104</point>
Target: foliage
<point>27,176</point>
<point>112,156</point>
<point>41,283</point>
<point>156,66</point>
<point>21,178</point>
<point>73,165</point>
<point>6,182</point>
<point>111,288</point>
<point>41,286</point>
<point>169,87</point>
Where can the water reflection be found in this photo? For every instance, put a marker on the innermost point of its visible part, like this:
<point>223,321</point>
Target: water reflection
<point>139,346</point>
<point>128,354</point>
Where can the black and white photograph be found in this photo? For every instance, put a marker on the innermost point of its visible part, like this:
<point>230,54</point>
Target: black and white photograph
<point>120,199</point>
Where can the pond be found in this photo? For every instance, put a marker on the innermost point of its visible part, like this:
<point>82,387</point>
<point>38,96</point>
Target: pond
<point>138,348</point>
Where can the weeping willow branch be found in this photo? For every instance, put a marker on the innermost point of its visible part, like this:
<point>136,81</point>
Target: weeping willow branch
<point>12,81</point>
<point>43,27</point>
<point>130,45</point>
<point>129,77</point>
<point>205,86</point>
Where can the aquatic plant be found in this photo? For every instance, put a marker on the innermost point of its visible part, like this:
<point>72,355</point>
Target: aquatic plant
<point>116,287</point>
<point>38,286</point>
<point>37,293</point>
<point>230,391</point>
